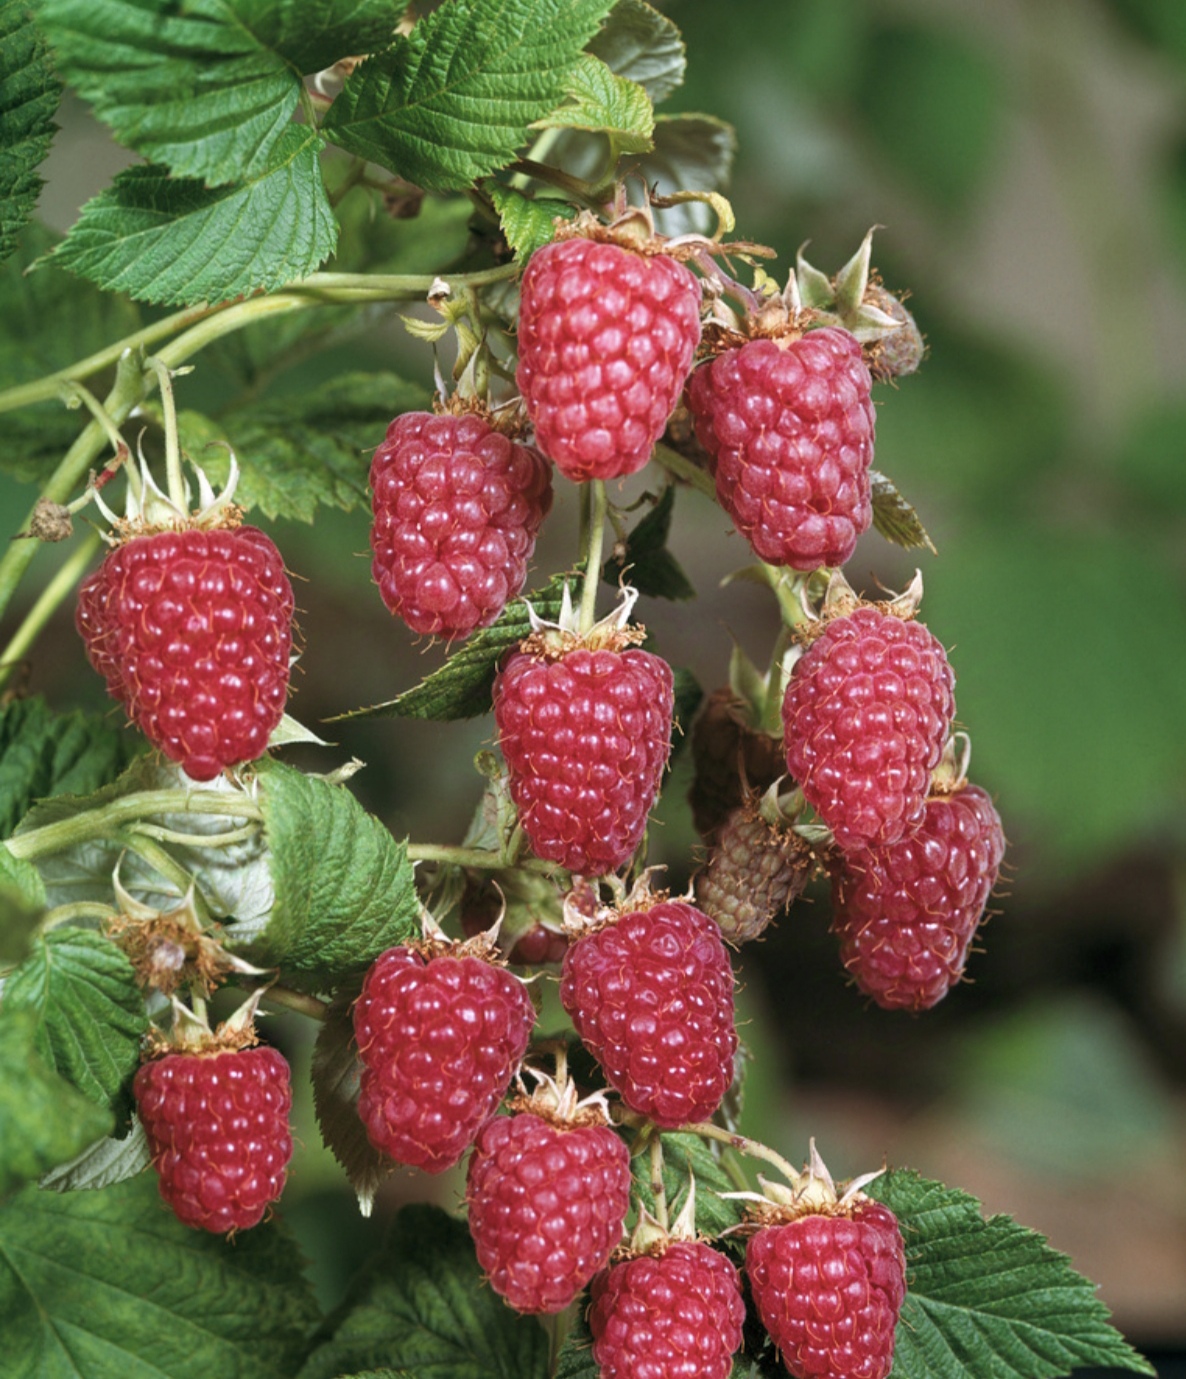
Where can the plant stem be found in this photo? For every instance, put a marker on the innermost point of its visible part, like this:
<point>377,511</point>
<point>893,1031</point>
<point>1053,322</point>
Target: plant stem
<point>707,1131</point>
<point>680,467</point>
<point>174,477</point>
<point>295,1000</point>
<point>593,550</point>
<point>484,858</point>
<point>45,607</point>
<point>67,914</point>
<point>109,818</point>
<point>658,1187</point>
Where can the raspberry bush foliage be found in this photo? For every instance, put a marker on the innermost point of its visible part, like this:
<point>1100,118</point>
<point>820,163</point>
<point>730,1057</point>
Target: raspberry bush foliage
<point>526,999</point>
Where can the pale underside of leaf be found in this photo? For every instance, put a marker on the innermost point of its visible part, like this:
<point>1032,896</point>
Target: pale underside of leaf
<point>639,43</point>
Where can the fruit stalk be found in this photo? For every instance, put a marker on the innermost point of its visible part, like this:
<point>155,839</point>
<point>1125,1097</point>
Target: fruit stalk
<point>593,551</point>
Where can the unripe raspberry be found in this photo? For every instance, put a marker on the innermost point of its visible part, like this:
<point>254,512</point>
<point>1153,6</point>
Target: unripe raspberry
<point>828,1287</point>
<point>547,1201</point>
<point>440,1040</point>
<point>586,736</point>
<point>217,1129</point>
<point>606,339</point>
<point>789,427</point>
<point>192,631</point>
<point>866,714</point>
<point>753,874</point>
<point>673,1315</point>
<point>906,914</point>
<point>651,996</point>
<point>457,506</point>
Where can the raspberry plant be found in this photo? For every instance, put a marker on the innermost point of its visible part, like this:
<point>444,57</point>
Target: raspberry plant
<point>580,278</point>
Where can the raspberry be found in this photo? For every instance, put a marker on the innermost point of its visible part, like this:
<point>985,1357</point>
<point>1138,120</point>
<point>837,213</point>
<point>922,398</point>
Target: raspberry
<point>547,1202</point>
<point>651,997</point>
<point>606,339</point>
<point>192,631</point>
<point>217,1128</point>
<point>586,736</point>
<point>789,428</point>
<point>865,717</point>
<point>828,1287</point>
<point>906,914</point>
<point>668,1316</point>
<point>457,506</point>
<point>727,752</point>
<point>440,1040</point>
<point>754,873</point>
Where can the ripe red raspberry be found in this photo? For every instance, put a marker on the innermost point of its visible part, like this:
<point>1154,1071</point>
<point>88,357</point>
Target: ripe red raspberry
<point>547,1202</point>
<point>440,1040</point>
<point>457,506</point>
<point>789,428</point>
<point>668,1316</point>
<point>828,1287</point>
<point>865,717</point>
<point>651,996</point>
<point>606,339</point>
<point>586,735</point>
<point>217,1127</point>
<point>192,630</point>
<point>906,913</point>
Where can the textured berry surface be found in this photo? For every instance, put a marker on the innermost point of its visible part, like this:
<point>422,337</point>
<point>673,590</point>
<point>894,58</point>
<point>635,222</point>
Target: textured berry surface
<point>754,873</point>
<point>440,1041</point>
<point>677,1315</point>
<point>790,433</point>
<point>192,631</point>
<point>865,717</point>
<point>586,738</point>
<point>906,914</point>
<point>828,1289</point>
<point>651,996</point>
<point>456,510</point>
<point>547,1203</point>
<point>217,1128</point>
<point>606,339</point>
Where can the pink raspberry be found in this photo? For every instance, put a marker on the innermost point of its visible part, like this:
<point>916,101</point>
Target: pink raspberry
<point>906,913</point>
<point>440,1039</point>
<point>457,506</point>
<point>651,997</point>
<point>865,717</point>
<point>192,631</point>
<point>672,1315</point>
<point>828,1289</point>
<point>217,1128</point>
<point>789,428</point>
<point>547,1202</point>
<point>606,339</point>
<point>586,736</point>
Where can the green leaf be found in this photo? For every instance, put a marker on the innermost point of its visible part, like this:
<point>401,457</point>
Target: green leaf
<point>895,519</point>
<point>19,913</point>
<point>461,687</point>
<point>172,240</point>
<point>344,889</point>
<point>110,1283</point>
<point>989,1296</point>
<point>108,1160</point>
<point>451,102</point>
<point>33,344</point>
<point>684,1157</point>
<point>90,1014</point>
<point>29,94</point>
<point>43,1120</point>
<point>646,562</point>
<point>210,88</point>
<point>335,1074</point>
<point>423,1308</point>
<point>639,43</point>
<point>527,224</point>
<point>300,451</point>
<point>603,103</point>
<point>44,754</point>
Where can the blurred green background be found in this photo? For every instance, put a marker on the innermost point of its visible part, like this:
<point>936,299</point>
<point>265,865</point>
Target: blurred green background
<point>1027,162</point>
